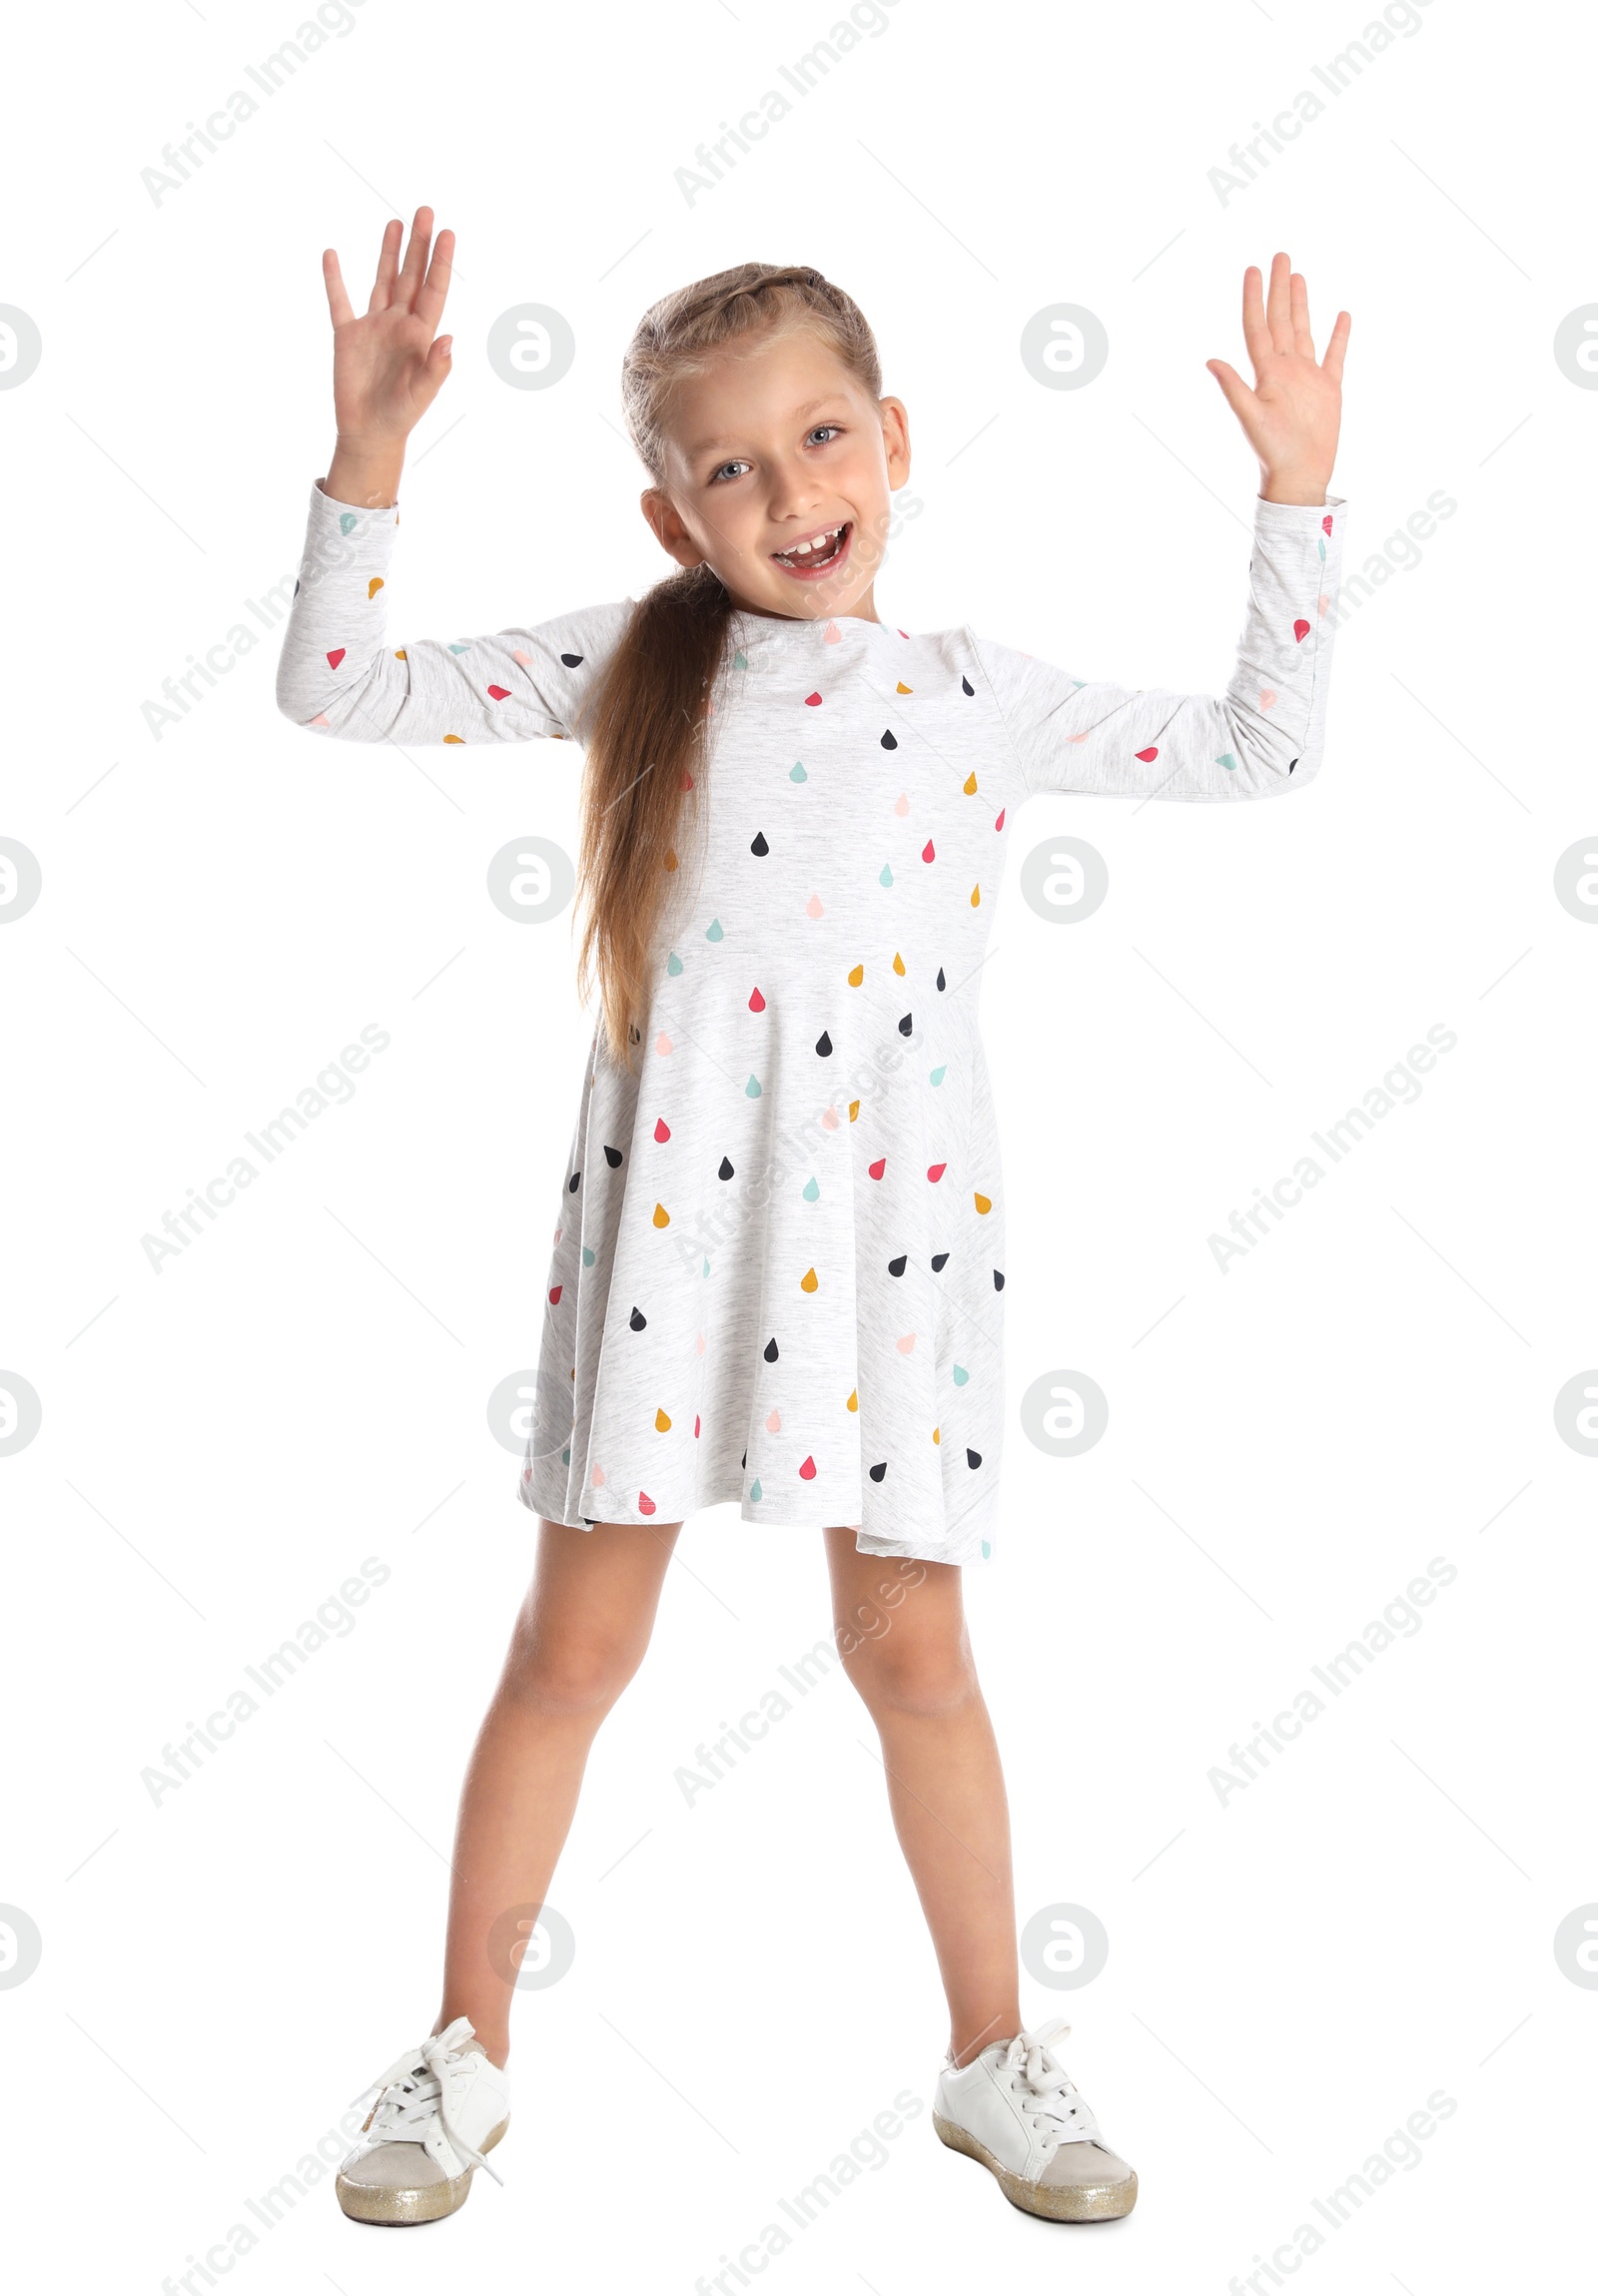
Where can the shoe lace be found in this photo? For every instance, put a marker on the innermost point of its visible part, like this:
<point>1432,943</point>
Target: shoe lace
<point>1049,2096</point>
<point>413,2095</point>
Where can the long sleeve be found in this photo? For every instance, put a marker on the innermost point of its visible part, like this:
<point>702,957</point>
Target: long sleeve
<point>1262,737</point>
<point>338,676</point>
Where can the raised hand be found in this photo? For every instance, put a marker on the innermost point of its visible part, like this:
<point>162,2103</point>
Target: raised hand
<point>387,369</point>
<point>1292,413</point>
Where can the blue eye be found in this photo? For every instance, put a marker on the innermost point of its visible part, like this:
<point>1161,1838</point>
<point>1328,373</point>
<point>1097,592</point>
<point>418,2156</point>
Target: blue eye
<point>838,426</point>
<point>716,474</point>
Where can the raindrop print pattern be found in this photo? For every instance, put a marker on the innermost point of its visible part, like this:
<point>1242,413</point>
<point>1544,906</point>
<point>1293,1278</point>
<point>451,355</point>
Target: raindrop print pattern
<point>777,1273</point>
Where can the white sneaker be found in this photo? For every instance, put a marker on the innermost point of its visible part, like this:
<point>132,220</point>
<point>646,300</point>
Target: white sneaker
<point>439,2108</point>
<point>1017,2110</point>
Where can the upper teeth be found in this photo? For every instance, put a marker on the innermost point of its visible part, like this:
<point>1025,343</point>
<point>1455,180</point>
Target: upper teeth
<point>816,542</point>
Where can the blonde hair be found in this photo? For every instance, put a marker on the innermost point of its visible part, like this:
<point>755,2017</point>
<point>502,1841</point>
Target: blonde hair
<point>644,724</point>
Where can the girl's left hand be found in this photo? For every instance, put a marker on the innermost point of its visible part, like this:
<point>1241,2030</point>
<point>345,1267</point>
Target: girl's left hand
<point>1291,414</point>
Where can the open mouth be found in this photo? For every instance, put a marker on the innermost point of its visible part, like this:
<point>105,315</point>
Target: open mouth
<point>819,553</point>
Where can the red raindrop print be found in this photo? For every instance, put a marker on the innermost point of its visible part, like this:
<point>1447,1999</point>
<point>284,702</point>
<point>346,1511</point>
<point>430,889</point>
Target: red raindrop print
<point>927,852</point>
<point>1300,630</point>
<point>498,693</point>
<point>999,824</point>
<point>879,1167</point>
<point>935,1171</point>
<point>335,657</point>
<point>662,1128</point>
<point>1325,523</point>
<point>646,1505</point>
<point>554,1296</point>
<point>1147,756</point>
<point>807,1473</point>
<point>757,1002</point>
<point>812,701</point>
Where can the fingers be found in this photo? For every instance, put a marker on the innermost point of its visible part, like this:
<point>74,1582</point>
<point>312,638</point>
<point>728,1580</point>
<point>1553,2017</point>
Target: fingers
<point>388,267</point>
<point>1332,363</point>
<point>1278,308</point>
<point>429,306</point>
<point>1239,396</point>
<point>1302,339</point>
<point>414,270</point>
<point>332,280</point>
<point>1256,333</point>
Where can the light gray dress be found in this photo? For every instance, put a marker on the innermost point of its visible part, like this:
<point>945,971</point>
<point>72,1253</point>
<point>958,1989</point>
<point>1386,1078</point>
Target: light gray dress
<point>779,1263</point>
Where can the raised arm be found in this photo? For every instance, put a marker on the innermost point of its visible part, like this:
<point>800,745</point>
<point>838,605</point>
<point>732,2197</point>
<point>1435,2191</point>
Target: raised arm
<point>336,674</point>
<point>1266,734</point>
<point>1262,736</point>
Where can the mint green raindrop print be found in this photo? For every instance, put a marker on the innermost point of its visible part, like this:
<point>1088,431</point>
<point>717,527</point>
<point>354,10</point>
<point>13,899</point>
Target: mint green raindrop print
<point>673,964</point>
<point>811,1191</point>
<point>713,930</point>
<point>887,875</point>
<point>798,773</point>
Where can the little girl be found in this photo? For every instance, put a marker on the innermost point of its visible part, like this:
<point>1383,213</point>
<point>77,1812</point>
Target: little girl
<point>779,1250</point>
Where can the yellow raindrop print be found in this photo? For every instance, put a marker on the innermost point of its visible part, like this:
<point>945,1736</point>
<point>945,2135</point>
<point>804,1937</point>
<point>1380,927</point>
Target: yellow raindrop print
<point>898,964</point>
<point>983,1202</point>
<point>853,1404</point>
<point>664,1218</point>
<point>902,688</point>
<point>969,784</point>
<point>854,1111</point>
<point>856,975</point>
<point>809,1280</point>
<point>662,1423</point>
<point>976,897</point>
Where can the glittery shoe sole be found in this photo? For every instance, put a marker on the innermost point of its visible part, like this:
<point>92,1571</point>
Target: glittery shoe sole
<point>1064,2203</point>
<point>412,2203</point>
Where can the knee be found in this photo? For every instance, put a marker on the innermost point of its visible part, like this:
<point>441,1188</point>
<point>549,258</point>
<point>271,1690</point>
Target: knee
<point>575,1674</point>
<point>928,1674</point>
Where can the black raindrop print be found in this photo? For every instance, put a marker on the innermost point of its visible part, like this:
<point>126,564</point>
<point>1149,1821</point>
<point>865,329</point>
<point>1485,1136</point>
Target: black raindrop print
<point>897,1267</point>
<point>888,741</point>
<point>761,848</point>
<point>771,1351</point>
<point>297,590</point>
<point>636,1321</point>
<point>905,1025</point>
<point>724,1169</point>
<point>942,983</point>
<point>966,686</point>
<point>998,1279</point>
<point>613,1158</point>
<point>824,1045</point>
<point>573,661</point>
<point>939,1261</point>
<point>744,1461</point>
<point>973,1458</point>
<point>878,1471</point>
<point>574,1184</point>
<point>1291,764</point>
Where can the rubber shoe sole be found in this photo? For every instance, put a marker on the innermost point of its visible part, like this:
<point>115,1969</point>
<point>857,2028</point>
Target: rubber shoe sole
<point>1063,2203</point>
<point>414,2203</point>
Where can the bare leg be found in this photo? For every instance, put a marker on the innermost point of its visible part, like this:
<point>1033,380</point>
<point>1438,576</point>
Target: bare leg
<point>902,1636</point>
<point>578,1640</point>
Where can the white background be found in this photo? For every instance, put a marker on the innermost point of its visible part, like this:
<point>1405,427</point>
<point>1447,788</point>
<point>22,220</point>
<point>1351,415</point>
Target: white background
<point>1290,1974</point>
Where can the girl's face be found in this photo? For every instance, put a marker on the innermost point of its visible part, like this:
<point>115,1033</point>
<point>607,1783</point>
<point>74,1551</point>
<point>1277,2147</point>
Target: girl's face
<point>777,444</point>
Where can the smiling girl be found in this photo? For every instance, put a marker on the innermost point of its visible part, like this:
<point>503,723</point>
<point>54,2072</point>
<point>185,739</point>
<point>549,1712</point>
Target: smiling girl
<point>779,1250</point>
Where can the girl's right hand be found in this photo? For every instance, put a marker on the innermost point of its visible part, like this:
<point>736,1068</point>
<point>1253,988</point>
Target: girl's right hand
<point>387,368</point>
